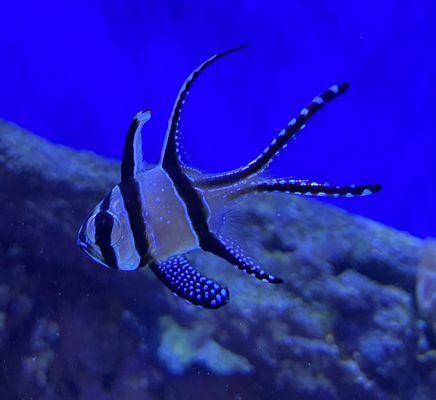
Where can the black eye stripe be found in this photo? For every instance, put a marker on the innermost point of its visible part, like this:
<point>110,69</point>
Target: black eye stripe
<point>104,223</point>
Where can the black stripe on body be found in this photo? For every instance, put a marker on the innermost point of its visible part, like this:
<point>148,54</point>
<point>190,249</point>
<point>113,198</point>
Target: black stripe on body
<point>128,162</point>
<point>198,217</point>
<point>132,202</point>
<point>194,203</point>
<point>104,224</point>
<point>262,161</point>
<point>197,212</point>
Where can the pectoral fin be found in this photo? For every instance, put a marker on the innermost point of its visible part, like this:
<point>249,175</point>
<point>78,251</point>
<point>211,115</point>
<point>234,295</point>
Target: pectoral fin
<point>186,282</point>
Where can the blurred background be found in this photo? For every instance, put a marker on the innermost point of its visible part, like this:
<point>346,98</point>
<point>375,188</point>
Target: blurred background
<point>76,71</point>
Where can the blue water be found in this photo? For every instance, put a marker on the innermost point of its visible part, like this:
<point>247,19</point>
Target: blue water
<point>75,72</point>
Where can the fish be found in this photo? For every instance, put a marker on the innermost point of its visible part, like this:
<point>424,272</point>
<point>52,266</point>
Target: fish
<point>158,214</point>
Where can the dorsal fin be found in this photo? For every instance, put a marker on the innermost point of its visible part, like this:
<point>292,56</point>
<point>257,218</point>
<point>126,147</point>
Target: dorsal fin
<point>169,157</point>
<point>132,156</point>
<point>280,142</point>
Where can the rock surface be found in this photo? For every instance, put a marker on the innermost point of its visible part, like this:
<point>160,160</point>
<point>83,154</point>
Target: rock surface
<point>344,325</point>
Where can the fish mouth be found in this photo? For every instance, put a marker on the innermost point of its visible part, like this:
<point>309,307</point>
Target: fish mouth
<point>82,246</point>
<point>81,239</point>
<point>90,252</point>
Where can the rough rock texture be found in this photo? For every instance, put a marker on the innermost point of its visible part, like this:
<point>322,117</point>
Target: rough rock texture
<point>426,284</point>
<point>344,325</point>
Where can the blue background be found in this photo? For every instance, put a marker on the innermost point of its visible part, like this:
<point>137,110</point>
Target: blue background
<point>76,71</point>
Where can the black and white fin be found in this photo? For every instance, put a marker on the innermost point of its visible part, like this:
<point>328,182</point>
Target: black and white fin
<point>186,282</point>
<point>304,187</point>
<point>170,153</point>
<point>279,142</point>
<point>132,162</point>
<point>246,264</point>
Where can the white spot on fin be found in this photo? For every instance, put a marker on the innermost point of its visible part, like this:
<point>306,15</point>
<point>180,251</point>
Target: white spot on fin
<point>334,89</point>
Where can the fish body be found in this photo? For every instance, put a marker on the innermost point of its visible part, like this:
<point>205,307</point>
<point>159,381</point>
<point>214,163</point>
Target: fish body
<point>156,215</point>
<point>171,231</point>
<point>167,227</point>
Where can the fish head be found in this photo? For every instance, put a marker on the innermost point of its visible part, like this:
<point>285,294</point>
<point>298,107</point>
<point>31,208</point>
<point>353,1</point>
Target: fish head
<point>110,235</point>
<point>105,235</point>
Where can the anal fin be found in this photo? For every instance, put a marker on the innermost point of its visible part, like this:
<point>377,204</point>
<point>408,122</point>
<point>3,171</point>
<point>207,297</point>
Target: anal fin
<point>238,257</point>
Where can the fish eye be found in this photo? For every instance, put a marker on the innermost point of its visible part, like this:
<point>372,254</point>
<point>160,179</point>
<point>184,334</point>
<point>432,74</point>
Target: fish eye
<point>104,226</point>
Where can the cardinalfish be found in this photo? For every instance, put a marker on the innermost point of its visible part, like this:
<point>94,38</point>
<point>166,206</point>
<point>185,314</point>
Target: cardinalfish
<point>157,214</point>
